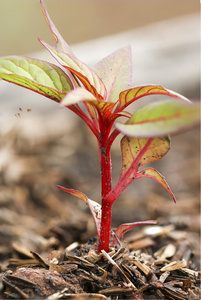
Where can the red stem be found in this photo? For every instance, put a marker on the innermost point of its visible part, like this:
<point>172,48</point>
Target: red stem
<point>105,226</point>
<point>106,185</point>
<point>104,145</point>
<point>113,136</point>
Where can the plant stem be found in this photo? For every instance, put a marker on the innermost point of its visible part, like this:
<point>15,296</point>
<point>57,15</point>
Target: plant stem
<point>106,186</point>
<point>106,181</point>
<point>105,226</point>
<point>106,176</point>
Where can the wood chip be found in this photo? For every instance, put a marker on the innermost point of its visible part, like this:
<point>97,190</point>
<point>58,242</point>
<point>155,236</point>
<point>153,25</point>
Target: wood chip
<point>118,268</point>
<point>164,276</point>
<point>80,260</point>
<point>93,256</point>
<point>22,250</point>
<point>175,265</point>
<point>190,272</point>
<point>111,291</point>
<point>165,252</point>
<point>40,260</point>
<point>158,230</point>
<point>140,244</point>
<point>65,295</point>
<point>63,269</point>
<point>145,269</point>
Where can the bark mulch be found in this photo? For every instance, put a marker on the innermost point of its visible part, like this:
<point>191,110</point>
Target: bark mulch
<point>123,273</point>
<point>48,243</point>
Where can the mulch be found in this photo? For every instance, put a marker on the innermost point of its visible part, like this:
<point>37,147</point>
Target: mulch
<point>48,243</point>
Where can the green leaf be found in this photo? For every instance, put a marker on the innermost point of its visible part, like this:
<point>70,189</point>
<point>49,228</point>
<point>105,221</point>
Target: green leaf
<point>137,152</point>
<point>115,71</point>
<point>85,74</point>
<point>129,96</point>
<point>161,119</point>
<point>154,174</point>
<point>39,76</point>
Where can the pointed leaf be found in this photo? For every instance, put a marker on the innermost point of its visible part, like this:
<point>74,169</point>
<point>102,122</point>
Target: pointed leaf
<point>60,42</point>
<point>85,74</point>
<point>94,207</point>
<point>154,174</point>
<point>122,229</point>
<point>137,152</point>
<point>74,193</point>
<point>129,96</point>
<point>115,71</point>
<point>39,76</point>
<point>161,119</point>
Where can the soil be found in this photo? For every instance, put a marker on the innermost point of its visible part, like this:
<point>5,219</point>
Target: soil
<point>48,242</point>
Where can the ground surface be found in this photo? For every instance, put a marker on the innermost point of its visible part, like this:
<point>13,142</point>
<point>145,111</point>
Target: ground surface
<point>39,152</point>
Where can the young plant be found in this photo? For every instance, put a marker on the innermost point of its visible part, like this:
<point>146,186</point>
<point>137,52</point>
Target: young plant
<point>105,92</point>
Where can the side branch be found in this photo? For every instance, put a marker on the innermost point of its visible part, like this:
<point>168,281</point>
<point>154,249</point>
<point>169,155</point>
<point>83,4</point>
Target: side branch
<point>128,177</point>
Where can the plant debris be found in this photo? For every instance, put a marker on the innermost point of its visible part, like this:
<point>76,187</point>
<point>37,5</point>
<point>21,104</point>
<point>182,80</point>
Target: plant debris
<point>48,249</point>
<point>134,275</point>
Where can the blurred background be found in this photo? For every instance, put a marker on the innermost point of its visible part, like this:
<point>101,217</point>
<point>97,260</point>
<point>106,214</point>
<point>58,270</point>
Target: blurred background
<point>164,36</point>
<point>78,21</point>
<point>38,145</point>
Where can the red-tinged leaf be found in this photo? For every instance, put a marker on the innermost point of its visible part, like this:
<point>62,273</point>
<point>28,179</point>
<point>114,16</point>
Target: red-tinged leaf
<point>161,119</point>
<point>122,229</point>
<point>74,193</point>
<point>85,74</point>
<point>60,42</point>
<point>94,207</point>
<point>39,76</point>
<point>137,152</point>
<point>129,96</point>
<point>115,71</point>
<point>152,173</point>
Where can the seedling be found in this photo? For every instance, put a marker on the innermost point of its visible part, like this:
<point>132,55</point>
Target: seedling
<point>99,96</point>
